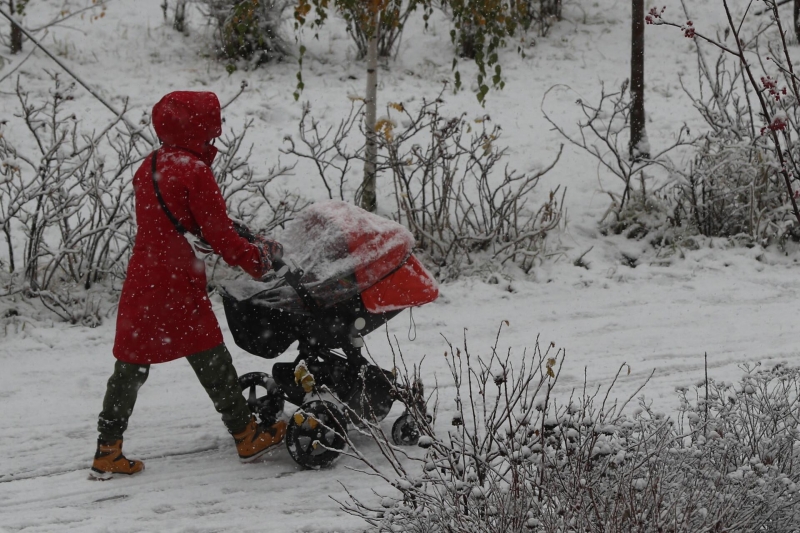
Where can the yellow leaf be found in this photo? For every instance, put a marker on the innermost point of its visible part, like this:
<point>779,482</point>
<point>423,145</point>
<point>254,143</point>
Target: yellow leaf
<point>302,9</point>
<point>303,377</point>
<point>398,107</point>
<point>386,127</point>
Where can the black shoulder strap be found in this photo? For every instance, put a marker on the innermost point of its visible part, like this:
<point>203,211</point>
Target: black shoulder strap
<point>170,216</point>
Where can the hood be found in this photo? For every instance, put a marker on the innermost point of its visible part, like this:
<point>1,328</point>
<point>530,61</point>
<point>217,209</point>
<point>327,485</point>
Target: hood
<point>189,120</point>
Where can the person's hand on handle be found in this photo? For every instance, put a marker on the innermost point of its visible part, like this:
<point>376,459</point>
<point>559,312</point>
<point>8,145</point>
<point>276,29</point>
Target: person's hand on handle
<point>269,251</point>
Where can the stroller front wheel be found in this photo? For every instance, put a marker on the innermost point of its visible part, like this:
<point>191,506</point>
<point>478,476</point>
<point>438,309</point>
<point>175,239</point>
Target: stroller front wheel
<point>315,435</point>
<point>405,431</point>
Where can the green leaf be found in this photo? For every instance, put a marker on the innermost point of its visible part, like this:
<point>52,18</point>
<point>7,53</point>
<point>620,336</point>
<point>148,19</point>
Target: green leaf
<point>484,90</point>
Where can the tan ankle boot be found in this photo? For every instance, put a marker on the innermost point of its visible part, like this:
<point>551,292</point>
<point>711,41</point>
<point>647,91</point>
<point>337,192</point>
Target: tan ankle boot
<point>109,461</point>
<point>255,441</point>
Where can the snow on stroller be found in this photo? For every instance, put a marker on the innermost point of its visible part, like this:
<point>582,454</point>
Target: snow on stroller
<point>352,272</point>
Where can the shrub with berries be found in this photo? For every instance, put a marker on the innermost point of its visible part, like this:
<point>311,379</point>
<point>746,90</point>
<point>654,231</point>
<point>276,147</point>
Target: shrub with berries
<point>515,452</point>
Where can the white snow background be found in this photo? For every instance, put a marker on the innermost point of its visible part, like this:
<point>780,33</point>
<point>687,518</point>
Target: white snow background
<point>736,304</point>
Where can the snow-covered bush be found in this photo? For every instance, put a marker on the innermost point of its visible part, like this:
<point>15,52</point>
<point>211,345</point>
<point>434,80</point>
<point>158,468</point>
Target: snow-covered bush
<point>457,196</point>
<point>518,454</point>
<point>65,197</point>
<point>603,132</point>
<point>746,162</point>
<point>743,166</point>
<point>250,196</point>
<point>248,30</point>
<point>66,201</point>
<point>452,190</point>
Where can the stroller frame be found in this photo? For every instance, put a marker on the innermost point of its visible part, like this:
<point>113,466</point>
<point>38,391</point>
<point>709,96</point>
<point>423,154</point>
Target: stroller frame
<point>330,380</point>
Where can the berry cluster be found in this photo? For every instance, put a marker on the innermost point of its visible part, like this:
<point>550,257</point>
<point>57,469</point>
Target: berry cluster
<point>688,30</point>
<point>654,16</point>
<point>771,85</point>
<point>779,123</point>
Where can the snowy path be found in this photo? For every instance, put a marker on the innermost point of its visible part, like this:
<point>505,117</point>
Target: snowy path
<point>660,318</point>
<point>52,376</point>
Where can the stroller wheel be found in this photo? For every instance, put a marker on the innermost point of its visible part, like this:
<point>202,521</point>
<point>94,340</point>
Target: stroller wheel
<point>315,435</point>
<point>267,407</point>
<point>405,431</point>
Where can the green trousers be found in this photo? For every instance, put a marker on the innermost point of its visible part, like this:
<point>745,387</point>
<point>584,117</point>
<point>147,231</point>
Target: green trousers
<point>214,369</point>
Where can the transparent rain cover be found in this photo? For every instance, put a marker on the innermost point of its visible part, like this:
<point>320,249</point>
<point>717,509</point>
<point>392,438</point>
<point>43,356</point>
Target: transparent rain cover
<point>343,251</point>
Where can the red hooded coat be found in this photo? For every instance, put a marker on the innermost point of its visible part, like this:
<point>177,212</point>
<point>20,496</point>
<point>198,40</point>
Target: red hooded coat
<point>164,311</point>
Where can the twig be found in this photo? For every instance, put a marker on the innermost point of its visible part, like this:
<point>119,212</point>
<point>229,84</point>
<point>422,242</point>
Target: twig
<point>705,426</point>
<point>242,87</point>
<point>16,67</point>
<point>769,8</point>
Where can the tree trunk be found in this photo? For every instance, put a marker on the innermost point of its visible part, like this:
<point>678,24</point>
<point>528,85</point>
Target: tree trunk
<point>7,231</point>
<point>16,33</point>
<point>179,21</point>
<point>368,194</point>
<point>797,19</point>
<point>466,41</point>
<point>639,148</point>
<point>550,8</point>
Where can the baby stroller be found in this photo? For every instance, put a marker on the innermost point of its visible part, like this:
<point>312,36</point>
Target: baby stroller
<point>345,273</point>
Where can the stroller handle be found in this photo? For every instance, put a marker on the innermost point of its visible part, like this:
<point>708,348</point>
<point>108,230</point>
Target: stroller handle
<point>280,267</point>
<point>283,270</point>
<point>293,277</point>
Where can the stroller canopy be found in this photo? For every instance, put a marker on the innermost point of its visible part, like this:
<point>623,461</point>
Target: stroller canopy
<point>345,251</point>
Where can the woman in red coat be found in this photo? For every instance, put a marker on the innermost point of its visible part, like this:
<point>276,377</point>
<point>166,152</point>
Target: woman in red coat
<point>164,311</point>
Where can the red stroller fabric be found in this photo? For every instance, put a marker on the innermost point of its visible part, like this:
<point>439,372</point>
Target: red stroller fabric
<point>409,286</point>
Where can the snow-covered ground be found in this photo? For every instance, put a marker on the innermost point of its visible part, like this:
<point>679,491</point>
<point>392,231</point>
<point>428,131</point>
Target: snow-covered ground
<point>737,305</point>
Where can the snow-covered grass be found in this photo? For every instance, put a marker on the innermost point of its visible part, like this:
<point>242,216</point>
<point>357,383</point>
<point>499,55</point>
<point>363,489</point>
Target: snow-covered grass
<point>629,305</point>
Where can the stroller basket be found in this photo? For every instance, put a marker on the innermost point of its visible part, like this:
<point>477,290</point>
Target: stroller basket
<point>268,332</point>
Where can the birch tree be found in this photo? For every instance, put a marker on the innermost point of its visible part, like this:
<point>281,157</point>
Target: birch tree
<point>368,195</point>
